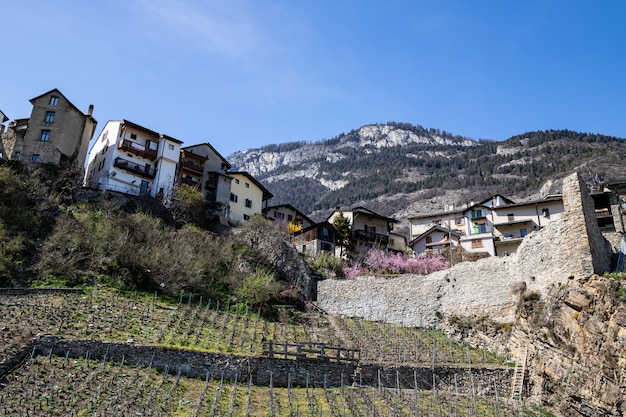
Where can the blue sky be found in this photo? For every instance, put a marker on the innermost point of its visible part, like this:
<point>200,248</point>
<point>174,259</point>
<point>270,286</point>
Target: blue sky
<point>246,73</point>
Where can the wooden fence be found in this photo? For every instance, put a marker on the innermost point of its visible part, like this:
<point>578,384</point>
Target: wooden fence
<point>303,350</point>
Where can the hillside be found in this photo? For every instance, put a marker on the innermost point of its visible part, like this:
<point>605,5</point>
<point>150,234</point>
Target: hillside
<point>403,170</point>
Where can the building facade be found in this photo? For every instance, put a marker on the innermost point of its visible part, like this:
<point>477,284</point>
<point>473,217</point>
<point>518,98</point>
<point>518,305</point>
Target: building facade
<point>203,167</point>
<point>248,197</point>
<point>369,230</point>
<point>132,159</point>
<point>55,131</point>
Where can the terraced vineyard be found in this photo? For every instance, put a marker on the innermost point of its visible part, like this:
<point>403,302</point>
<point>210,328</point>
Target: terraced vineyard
<point>56,385</point>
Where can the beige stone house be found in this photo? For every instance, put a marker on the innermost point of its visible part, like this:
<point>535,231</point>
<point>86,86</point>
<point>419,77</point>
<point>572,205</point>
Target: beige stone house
<point>283,215</point>
<point>247,197</point>
<point>56,130</point>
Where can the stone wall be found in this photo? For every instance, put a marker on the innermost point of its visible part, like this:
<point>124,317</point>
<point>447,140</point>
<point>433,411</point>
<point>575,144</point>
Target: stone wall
<point>263,371</point>
<point>566,249</point>
<point>464,380</point>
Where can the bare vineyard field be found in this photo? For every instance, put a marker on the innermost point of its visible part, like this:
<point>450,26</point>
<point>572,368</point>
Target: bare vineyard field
<point>56,386</point>
<point>65,387</point>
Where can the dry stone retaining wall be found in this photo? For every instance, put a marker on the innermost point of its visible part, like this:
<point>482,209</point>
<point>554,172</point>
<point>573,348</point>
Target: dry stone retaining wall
<point>569,248</point>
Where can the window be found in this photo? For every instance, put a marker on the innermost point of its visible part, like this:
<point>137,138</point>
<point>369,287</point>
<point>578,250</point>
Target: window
<point>54,101</point>
<point>233,197</point>
<point>35,158</point>
<point>522,232</point>
<point>133,136</point>
<point>510,217</point>
<point>459,221</point>
<point>248,203</point>
<point>45,135</point>
<point>429,239</point>
<point>289,218</point>
<point>92,172</point>
<point>477,243</point>
<point>49,117</point>
<point>170,147</point>
<point>371,229</point>
<point>279,215</point>
<point>545,212</point>
<point>247,185</point>
<point>236,181</point>
<point>18,155</point>
<point>246,217</point>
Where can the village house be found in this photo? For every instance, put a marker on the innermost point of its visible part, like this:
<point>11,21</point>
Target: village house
<point>56,131</point>
<point>203,167</point>
<point>514,221</point>
<point>369,229</point>
<point>133,159</point>
<point>285,215</point>
<point>436,240</point>
<point>248,197</point>
<point>315,239</point>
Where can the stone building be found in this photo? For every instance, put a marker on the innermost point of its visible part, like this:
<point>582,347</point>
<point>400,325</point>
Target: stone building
<point>55,131</point>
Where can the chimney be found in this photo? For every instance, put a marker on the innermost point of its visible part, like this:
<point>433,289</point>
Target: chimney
<point>90,111</point>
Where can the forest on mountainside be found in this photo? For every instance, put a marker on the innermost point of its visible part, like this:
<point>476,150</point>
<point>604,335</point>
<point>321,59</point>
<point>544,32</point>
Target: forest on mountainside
<point>518,166</point>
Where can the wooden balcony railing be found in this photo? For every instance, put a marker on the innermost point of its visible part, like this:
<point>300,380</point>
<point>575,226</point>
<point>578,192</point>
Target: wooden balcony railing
<point>371,236</point>
<point>143,170</point>
<point>311,350</point>
<point>191,166</point>
<point>189,181</point>
<point>137,149</point>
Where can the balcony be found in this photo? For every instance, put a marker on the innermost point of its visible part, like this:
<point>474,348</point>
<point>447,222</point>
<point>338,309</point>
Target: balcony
<point>371,236</point>
<point>211,183</point>
<point>605,212</point>
<point>138,149</point>
<point>135,168</point>
<point>189,181</point>
<point>193,167</point>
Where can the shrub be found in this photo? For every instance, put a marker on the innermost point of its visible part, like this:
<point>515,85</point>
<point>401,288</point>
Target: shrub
<point>384,262</point>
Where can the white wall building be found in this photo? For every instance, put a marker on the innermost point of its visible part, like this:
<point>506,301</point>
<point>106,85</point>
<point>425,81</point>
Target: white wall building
<point>132,159</point>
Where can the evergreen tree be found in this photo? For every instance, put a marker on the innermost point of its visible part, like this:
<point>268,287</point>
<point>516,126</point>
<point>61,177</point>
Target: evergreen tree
<point>343,234</point>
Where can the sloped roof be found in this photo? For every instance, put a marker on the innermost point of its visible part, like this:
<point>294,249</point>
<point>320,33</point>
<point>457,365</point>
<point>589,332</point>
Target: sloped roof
<point>433,229</point>
<point>290,207</point>
<point>266,193</point>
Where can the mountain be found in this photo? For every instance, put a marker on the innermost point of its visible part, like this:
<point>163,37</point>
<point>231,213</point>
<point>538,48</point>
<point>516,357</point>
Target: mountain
<point>402,170</point>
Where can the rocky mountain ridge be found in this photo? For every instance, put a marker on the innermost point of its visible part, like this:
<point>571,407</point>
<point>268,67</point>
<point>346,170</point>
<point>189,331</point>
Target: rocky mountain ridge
<point>402,170</point>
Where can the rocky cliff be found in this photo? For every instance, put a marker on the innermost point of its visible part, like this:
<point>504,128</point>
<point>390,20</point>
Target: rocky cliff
<point>401,170</point>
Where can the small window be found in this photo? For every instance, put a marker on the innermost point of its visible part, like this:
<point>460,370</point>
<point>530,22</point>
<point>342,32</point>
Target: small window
<point>429,239</point>
<point>522,232</point>
<point>35,158</point>
<point>45,135</point>
<point>289,218</point>
<point>233,197</point>
<point>18,155</point>
<point>170,147</point>
<point>478,243</point>
<point>236,181</point>
<point>133,136</point>
<point>247,185</point>
<point>510,217</point>
<point>459,221</point>
<point>248,203</point>
<point>54,101</point>
<point>49,117</point>
<point>545,212</point>
<point>246,217</point>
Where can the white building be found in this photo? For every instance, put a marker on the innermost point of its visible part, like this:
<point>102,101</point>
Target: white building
<point>132,159</point>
